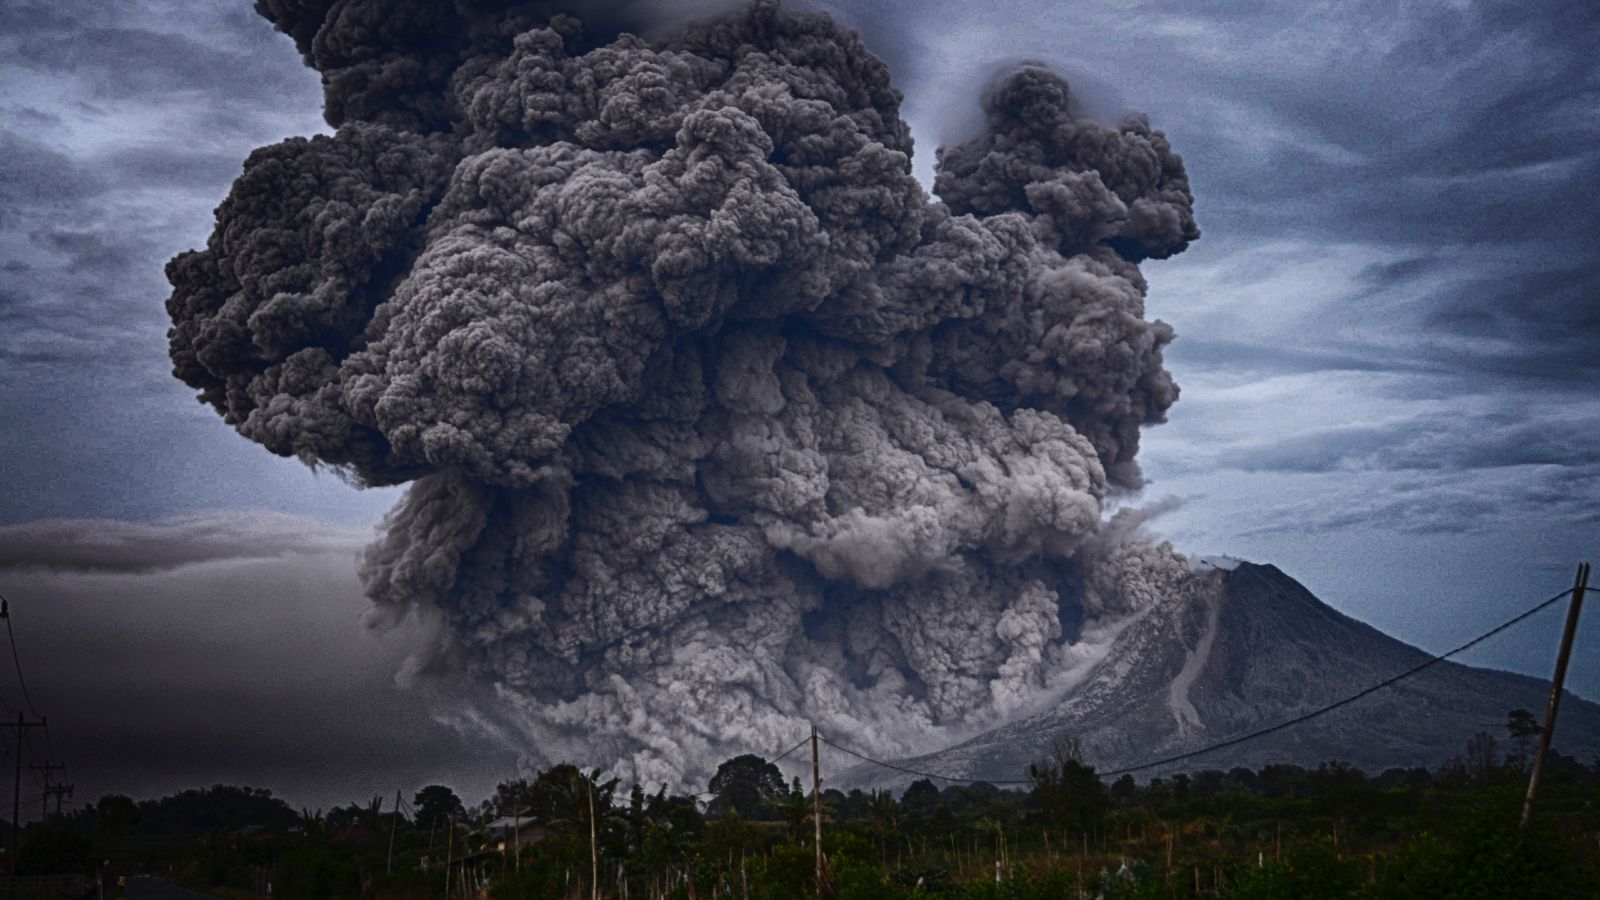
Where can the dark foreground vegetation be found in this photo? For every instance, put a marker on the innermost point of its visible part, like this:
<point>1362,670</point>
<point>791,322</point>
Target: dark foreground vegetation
<point>1282,831</point>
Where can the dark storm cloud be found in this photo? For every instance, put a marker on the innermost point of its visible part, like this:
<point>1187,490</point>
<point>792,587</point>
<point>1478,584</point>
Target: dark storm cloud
<point>115,545</point>
<point>674,351</point>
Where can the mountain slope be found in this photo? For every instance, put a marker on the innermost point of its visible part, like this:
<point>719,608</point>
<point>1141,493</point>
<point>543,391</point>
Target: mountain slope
<point>1258,651</point>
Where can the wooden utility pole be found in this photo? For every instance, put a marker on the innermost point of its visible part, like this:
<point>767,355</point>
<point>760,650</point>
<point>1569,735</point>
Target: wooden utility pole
<point>594,846</point>
<point>44,797</point>
<point>21,725</point>
<point>816,803</point>
<point>1574,606</point>
<point>449,854</point>
<point>394,823</point>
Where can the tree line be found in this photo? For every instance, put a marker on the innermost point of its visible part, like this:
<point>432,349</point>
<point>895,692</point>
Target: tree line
<point>1277,831</point>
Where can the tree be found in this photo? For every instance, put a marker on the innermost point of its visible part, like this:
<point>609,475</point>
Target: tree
<point>512,797</point>
<point>1067,790</point>
<point>881,810</point>
<point>1522,726</point>
<point>437,804</point>
<point>796,811</point>
<point>313,824</point>
<point>1243,777</point>
<point>669,829</point>
<point>746,785</point>
<point>118,814</point>
<point>561,794</point>
<point>1207,783</point>
<point>1481,756</point>
<point>920,798</point>
<point>369,815</point>
<point>1281,780</point>
<point>54,848</point>
<point>1453,773</point>
<point>637,819</point>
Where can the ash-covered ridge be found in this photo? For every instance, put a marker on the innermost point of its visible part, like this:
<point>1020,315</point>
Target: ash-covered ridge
<point>1191,672</point>
<point>714,422</point>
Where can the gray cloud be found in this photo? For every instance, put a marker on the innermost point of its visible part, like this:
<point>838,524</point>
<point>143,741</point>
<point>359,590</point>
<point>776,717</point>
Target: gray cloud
<point>116,545</point>
<point>1446,503</point>
<point>675,352</point>
<point>229,649</point>
<point>1433,441</point>
<point>142,52</point>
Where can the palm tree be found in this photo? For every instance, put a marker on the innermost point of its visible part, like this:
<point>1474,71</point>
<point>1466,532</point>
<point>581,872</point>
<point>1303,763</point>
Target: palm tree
<point>313,824</point>
<point>882,809</point>
<point>671,833</point>
<point>796,811</point>
<point>371,815</point>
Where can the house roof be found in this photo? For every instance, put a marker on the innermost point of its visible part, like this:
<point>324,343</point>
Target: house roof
<point>355,833</point>
<point>507,823</point>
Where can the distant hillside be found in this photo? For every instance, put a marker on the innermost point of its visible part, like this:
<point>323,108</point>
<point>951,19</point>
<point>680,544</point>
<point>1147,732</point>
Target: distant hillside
<point>1261,651</point>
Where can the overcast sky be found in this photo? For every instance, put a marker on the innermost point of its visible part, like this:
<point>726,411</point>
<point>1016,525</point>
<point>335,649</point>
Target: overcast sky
<point>1389,347</point>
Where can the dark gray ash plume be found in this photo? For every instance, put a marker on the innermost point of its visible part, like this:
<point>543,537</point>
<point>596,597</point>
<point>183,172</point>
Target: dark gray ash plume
<point>715,423</point>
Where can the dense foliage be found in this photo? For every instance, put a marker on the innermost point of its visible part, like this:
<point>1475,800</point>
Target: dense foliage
<point>1279,832</point>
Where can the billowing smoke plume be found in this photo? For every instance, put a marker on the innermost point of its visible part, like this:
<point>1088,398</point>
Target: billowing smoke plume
<point>714,422</point>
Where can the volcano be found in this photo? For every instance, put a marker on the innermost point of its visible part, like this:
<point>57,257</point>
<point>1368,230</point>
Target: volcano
<point>1194,671</point>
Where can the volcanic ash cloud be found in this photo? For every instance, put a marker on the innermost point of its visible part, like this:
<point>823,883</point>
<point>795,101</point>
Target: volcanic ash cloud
<point>714,422</point>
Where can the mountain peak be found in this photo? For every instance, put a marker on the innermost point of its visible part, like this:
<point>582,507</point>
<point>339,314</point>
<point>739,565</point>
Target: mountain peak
<point>1259,651</point>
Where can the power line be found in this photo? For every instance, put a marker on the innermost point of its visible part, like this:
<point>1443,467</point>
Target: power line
<point>1243,738</point>
<point>803,742</point>
<point>1347,700</point>
<point>774,761</point>
<point>33,752</point>
<point>17,661</point>
<point>5,610</point>
<point>888,765</point>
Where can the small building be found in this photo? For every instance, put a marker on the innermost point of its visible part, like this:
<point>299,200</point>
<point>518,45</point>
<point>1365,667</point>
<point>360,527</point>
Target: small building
<point>509,832</point>
<point>470,875</point>
<point>354,833</point>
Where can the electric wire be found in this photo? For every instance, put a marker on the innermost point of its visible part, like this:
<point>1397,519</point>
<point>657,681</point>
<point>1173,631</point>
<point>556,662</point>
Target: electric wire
<point>772,761</point>
<point>1431,661</point>
<point>21,682</point>
<point>3,701</point>
<point>803,742</point>
<point>1289,723</point>
<point>27,698</point>
<point>888,765</point>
